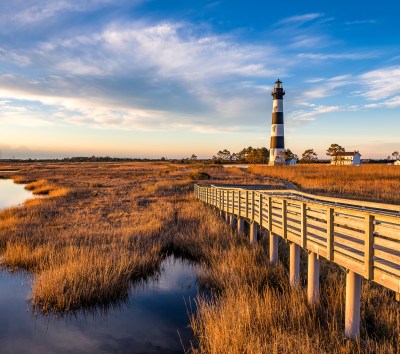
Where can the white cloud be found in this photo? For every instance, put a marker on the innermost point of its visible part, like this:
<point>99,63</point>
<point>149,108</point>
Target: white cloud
<point>31,12</point>
<point>381,83</point>
<point>326,88</point>
<point>10,56</point>
<point>299,19</point>
<point>361,22</point>
<point>313,113</point>
<point>336,56</point>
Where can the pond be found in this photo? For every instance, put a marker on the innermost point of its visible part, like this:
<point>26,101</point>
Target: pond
<point>12,194</point>
<point>153,319</point>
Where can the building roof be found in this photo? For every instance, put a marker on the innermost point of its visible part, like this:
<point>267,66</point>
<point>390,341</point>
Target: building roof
<point>347,153</point>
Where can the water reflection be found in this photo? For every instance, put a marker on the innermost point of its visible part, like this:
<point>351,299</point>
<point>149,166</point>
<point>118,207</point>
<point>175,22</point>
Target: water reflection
<point>12,194</point>
<point>148,322</point>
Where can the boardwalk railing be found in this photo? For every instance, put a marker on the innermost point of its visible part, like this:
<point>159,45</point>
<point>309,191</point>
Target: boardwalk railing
<point>362,237</point>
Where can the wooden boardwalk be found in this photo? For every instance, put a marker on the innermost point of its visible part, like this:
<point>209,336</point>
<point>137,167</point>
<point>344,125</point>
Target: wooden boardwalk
<point>362,237</point>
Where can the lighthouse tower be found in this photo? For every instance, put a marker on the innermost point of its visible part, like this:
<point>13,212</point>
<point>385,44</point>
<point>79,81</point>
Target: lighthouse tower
<point>277,148</point>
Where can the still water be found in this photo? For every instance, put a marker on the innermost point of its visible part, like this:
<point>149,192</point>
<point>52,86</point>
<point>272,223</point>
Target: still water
<point>12,194</point>
<point>154,318</point>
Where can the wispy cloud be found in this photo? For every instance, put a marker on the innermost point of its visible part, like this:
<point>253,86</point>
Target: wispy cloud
<point>361,22</point>
<point>325,87</point>
<point>300,19</point>
<point>337,56</point>
<point>312,113</point>
<point>381,84</point>
<point>30,12</point>
<point>14,57</point>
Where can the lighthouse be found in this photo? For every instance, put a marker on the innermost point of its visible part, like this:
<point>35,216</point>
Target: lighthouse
<point>277,148</point>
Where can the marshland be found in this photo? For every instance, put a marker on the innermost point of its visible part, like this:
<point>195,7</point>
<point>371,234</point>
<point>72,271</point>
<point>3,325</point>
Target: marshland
<point>98,230</point>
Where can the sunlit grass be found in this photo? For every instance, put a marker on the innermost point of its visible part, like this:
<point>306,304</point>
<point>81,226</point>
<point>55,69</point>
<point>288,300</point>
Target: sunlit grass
<point>373,182</point>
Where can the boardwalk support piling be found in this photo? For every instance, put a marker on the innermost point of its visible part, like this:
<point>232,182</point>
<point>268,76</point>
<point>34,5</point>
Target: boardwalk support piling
<point>313,278</point>
<point>294,265</point>
<point>353,295</point>
<point>273,248</point>
<point>227,218</point>
<point>233,221</point>
<point>240,225</point>
<point>253,233</point>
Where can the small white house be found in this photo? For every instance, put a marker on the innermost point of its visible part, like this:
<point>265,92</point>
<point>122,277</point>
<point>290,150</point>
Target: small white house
<point>347,158</point>
<point>397,162</point>
<point>291,161</point>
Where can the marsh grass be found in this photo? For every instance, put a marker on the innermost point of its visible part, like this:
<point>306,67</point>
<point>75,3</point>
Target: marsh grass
<point>372,182</point>
<point>105,226</point>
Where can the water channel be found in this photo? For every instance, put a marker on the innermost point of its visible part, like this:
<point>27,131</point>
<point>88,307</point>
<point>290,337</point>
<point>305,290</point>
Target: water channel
<point>154,318</point>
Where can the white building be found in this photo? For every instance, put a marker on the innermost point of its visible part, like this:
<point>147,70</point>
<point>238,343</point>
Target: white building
<point>397,162</point>
<point>291,161</point>
<point>347,158</point>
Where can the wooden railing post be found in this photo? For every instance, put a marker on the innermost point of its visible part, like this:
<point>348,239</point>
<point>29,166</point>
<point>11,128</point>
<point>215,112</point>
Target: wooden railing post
<point>252,206</point>
<point>239,203</point>
<point>260,209</point>
<point>247,204</point>
<point>329,233</point>
<point>303,225</point>
<point>227,201</point>
<point>284,219</point>
<point>270,214</point>
<point>369,247</point>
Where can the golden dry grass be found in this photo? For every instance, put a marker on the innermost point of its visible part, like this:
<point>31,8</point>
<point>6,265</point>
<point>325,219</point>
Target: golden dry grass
<point>105,225</point>
<point>372,182</point>
<point>254,310</point>
<point>100,226</point>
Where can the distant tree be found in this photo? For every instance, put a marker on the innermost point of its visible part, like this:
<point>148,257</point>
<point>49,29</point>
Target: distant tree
<point>309,156</point>
<point>334,151</point>
<point>396,155</point>
<point>288,154</point>
<point>224,155</point>
<point>258,155</point>
<point>193,157</point>
<point>163,158</point>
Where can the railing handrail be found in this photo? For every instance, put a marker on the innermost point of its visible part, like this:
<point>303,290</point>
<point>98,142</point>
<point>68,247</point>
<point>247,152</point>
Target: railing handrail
<point>353,202</point>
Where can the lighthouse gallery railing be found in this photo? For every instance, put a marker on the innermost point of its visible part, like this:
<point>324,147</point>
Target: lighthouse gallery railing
<point>366,242</point>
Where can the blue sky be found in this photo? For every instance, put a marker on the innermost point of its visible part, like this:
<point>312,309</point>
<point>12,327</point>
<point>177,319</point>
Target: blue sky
<point>170,78</point>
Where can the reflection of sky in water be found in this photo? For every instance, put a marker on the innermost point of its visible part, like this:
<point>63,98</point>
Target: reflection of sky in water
<point>12,194</point>
<point>148,323</point>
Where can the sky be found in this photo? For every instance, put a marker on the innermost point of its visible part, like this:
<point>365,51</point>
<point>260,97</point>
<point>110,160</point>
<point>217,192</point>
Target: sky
<point>153,78</point>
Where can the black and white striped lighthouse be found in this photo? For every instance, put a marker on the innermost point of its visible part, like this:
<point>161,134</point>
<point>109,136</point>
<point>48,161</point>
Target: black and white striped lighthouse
<point>277,148</point>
